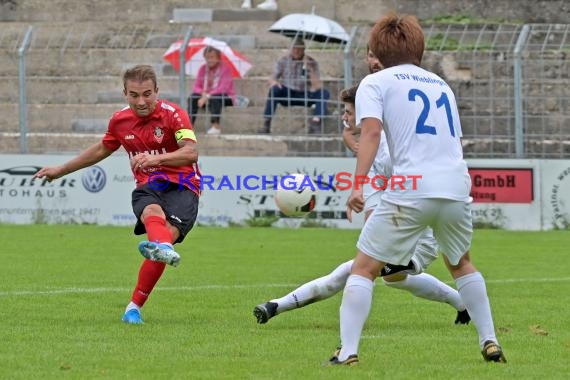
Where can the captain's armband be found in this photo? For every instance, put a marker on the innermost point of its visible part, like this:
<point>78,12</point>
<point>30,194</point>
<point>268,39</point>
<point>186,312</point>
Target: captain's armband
<point>185,134</point>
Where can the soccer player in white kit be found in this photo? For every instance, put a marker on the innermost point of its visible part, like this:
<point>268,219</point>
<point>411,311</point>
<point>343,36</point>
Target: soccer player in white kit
<point>418,113</point>
<point>419,284</point>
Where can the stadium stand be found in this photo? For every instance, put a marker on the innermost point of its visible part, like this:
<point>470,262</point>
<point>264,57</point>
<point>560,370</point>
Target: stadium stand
<point>79,50</point>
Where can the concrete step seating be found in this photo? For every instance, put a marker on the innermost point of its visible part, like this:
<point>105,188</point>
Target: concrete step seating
<point>142,10</point>
<point>109,89</point>
<point>69,35</point>
<point>29,10</point>
<point>245,121</point>
<point>221,145</point>
<point>279,146</point>
<point>74,70</point>
<point>90,35</point>
<point>112,62</point>
<point>93,118</point>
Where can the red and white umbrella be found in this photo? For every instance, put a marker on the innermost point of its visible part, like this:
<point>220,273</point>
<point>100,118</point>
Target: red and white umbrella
<point>239,64</point>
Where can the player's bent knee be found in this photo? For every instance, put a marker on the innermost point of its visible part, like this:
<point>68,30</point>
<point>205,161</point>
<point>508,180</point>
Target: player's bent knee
<point>152,210</point>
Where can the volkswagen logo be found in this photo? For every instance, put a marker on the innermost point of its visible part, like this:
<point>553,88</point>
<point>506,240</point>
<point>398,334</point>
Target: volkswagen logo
<point>94,179</point>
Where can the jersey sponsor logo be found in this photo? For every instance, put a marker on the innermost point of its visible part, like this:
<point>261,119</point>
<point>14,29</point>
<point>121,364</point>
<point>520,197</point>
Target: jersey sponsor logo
<point>158,134</point>
<point>151,151</point>
<point>94,179</point>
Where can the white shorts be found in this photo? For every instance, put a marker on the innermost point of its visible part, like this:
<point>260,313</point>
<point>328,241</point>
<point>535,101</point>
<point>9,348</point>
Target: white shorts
<point>392,232</point>
<point>372,197</point>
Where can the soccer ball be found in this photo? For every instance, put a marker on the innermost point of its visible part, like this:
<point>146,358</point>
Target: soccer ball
<point>296,195</point>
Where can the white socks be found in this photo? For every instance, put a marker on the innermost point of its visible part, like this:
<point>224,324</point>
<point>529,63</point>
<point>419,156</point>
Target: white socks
<point>131,306</point>
<point>473,292</point>
<point>426,286</point>
<point>316,290</point>
<point>354,310</point>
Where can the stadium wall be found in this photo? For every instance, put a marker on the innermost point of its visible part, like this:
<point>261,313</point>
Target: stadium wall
<point>508,194</point>
<point>551,11</point>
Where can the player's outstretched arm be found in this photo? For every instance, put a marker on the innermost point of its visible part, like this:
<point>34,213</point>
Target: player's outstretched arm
<point>88,157</point>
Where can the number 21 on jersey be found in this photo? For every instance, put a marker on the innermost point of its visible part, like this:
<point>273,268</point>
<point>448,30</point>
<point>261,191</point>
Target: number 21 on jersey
<point>421,126</point>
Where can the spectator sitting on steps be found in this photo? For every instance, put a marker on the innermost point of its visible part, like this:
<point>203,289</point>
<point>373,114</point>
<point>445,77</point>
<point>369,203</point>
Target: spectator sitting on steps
<point>296,82</point>
<point>214,88</point>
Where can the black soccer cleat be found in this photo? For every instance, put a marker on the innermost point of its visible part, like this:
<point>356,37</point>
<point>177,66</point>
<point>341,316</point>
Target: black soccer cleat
<point>492,352</point>
<point>393,268</point>
<point>463,318</point>
<point>265,312</point>
<point>350,361</point>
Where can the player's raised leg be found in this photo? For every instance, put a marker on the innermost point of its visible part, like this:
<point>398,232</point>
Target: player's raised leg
<point>420,285</point>
<point>313,291</point>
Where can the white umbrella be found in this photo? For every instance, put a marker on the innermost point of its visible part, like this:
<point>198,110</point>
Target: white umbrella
<point>311,27</point>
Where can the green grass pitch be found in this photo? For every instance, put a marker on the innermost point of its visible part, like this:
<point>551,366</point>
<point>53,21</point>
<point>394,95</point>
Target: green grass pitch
<point>64,288</point>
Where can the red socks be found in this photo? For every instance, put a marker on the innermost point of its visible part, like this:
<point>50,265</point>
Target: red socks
<point>150,271</point>
<point>156,229</point>
<point>149,274</point>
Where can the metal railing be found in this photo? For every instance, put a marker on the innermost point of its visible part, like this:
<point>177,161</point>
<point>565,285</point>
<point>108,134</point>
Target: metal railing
<point>23,100</point>
<point>511,81</point>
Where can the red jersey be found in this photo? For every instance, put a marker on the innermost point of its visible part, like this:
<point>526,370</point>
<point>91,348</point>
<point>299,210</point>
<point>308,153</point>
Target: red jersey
<point>156,133</point>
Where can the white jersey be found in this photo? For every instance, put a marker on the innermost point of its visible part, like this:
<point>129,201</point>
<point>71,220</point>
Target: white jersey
<point>420,118</point>
<point>382,164</point>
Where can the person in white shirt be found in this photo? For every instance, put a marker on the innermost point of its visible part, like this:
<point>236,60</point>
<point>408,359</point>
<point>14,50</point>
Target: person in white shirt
<point>410,278</point>
<point>417,111</point>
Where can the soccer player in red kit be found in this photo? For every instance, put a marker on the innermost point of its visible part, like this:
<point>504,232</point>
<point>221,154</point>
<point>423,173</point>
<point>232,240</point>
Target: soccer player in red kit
<point>163,154</point>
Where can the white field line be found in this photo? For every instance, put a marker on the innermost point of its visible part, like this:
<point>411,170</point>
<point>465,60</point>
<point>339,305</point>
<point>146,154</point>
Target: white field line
<point>54,292</point>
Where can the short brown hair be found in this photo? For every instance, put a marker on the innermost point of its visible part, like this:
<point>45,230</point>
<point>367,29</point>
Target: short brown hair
<point>397,40</point>
<point>139,73</point>
<point>348,95</point>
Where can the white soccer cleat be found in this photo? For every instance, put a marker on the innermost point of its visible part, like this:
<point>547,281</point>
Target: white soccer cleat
<point>246,4</point>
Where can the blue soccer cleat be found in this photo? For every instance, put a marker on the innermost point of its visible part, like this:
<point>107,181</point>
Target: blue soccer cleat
<point>161,252</point>
<point>133,317</point>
